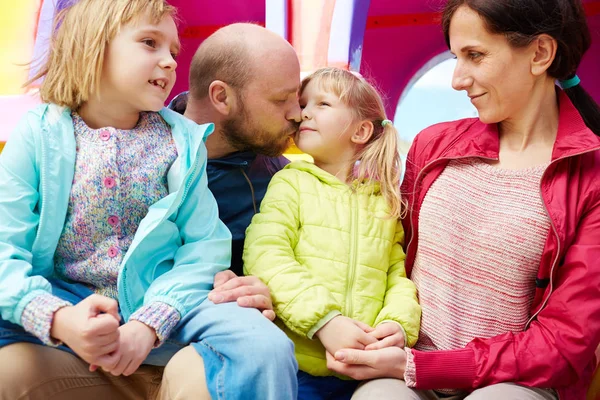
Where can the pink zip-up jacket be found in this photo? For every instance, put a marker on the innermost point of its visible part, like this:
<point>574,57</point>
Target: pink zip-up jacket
<point>556,350</point>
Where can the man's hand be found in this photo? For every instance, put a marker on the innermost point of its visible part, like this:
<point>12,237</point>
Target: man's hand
<point>90,328</point>
<point>389,362</point>
<point>343,332</point>
<point>387,334</point>
<point>136,340</point>
<point>248,291</point>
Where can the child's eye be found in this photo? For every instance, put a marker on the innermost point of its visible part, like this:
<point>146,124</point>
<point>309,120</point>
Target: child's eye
<point>174,55</point>
<point>324,104</point>
<point>149,42</point>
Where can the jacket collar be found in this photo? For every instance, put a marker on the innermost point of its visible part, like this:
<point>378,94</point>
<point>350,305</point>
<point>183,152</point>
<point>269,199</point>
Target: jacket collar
<point>476,139</point>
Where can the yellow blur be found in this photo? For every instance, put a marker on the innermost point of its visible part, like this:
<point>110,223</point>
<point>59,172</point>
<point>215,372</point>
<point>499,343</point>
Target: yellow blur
<point>18,26</point>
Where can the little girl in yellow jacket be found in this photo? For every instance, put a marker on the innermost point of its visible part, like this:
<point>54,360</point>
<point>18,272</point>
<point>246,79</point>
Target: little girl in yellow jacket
<point>328,240</point>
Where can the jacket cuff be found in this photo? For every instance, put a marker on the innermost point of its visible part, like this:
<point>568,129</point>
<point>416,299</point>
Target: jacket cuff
<point>331,315</point>
<point>38,315</point>
<point>159,316</point>
<point>452,369</point>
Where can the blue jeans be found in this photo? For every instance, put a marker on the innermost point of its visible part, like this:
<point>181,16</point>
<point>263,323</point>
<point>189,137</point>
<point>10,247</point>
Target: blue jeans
<point>324,387</point>
<point>245,355</point>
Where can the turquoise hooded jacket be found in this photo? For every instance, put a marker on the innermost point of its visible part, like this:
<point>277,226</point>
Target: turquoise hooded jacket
<point>178,248</point>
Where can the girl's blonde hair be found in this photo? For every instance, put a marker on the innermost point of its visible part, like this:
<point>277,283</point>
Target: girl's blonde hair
<point>81,34</point>
<point>379,158</point>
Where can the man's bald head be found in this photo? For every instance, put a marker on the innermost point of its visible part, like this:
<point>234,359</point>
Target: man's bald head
<point>234,54</point>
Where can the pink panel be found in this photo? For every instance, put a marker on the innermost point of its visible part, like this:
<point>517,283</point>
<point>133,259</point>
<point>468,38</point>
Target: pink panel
<point>200,18</point>
<point>402,36</point>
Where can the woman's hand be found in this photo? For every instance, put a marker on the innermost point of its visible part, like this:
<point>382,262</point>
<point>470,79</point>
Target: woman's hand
<point>248,291</point>
<point>389,362</point>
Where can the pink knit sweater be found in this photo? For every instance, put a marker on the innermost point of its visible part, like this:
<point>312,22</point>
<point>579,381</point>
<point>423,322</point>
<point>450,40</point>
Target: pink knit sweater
<point>481,234</point>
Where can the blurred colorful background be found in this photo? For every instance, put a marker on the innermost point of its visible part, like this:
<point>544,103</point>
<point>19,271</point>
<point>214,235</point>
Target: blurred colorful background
<point>392,42</point>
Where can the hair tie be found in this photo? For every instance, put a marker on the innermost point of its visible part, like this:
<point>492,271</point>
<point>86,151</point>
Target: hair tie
<point>569,83</point>
<point>385,122</point>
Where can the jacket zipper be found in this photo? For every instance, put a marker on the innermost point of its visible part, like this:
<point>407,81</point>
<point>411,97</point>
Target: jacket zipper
<point>251,190</point>
<point>353,250</point>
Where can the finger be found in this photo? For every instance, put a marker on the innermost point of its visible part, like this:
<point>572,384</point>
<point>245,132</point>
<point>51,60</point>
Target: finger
<point>385,330</point>
<point>389,341</point>
<point>239,281</point>
<point>366,339</point>
<point>363,326</point>
<point>225,296</point>
<point>222,277</point>
<point>108,361</point>
<point>120,367</point>
<point>101,325</point>
<point>104,340</point>
<point>132,367</point>
<point>256,301</point>
<point>93,367</point>
<point>269,314</point>
<point>101,304</point>
<point>108,349</point>
<point>354,357</point>
<point>358,372</point>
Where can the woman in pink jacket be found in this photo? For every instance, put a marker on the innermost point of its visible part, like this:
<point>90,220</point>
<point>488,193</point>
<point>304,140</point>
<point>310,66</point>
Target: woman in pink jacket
<point>503,225</point>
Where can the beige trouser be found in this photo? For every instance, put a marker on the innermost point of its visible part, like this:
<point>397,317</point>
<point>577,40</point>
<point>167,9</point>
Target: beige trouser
<point>30,371</point>
<point>395,389</point>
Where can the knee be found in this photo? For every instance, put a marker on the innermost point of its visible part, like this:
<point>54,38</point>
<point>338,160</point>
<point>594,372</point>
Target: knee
<point>272,348</point>
<point>184,377</point>
<point>20,370</point>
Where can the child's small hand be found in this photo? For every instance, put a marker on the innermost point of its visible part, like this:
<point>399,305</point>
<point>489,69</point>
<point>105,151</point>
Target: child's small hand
<point>135,342</point>
<point>345,333</point>
<point>387,334</point>
<point>89,328</point>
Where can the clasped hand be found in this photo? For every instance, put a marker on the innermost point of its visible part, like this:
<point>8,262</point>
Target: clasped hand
<point>345,333</point>
<point>91,329</point>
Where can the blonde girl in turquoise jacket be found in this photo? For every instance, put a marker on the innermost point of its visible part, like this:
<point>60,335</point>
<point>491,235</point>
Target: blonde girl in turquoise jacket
<point>328,240</point>
<point>109,236</point>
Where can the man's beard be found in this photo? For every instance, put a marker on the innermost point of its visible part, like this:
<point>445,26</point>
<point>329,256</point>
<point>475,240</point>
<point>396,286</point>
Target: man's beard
<point>244,137</point>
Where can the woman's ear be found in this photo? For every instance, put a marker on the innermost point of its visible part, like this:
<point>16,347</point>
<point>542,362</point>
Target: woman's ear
<point>363,133</point>
<point>221,97</point>
<point>544,48</point>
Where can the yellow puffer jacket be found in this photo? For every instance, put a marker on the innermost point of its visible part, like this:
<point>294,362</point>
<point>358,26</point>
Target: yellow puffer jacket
<point>325,249</point>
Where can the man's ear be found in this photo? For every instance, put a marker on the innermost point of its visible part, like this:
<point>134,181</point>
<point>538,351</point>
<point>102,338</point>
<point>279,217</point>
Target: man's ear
<point>363,133</point>
<point>221,97</point>
<point>544,48</point>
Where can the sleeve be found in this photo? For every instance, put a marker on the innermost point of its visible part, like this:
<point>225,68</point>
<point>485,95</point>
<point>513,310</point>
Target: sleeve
<point>159,316</point>
<point>19,219</point>
<point>38,315</point>
<point>408,187</point>
<point>556,348</point>
<point>204,251</point>
<point>400,303</point>
<point>300,301</point>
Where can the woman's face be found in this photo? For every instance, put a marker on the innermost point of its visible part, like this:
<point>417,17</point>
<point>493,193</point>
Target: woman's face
<point>496,76</point>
